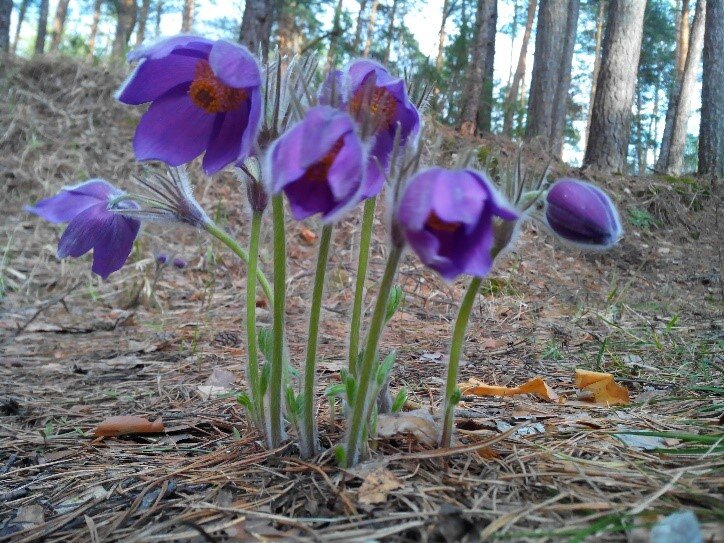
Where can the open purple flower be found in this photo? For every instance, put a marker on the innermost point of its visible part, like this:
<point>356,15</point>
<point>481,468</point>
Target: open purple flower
<point>88,208</point>
<point>205,97</point>
<point>447,218</point>
<point>582,214</point>
<point>318,164</point>
<point>378,102</point>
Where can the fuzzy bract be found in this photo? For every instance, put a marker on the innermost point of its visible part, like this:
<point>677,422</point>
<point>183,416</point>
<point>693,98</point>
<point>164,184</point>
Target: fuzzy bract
<point>447,218</point>
<point>205,98</point>
<point>88,208</point>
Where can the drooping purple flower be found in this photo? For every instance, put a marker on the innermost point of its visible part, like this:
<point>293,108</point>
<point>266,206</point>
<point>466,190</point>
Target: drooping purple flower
<point>88,208</point>
<point>582,214</point>
<point>205,97</point>
<point>319,164</point>
<point>447,216</point>
<point>379,102</point>
<point>161,259</point>
<point>180,263</point>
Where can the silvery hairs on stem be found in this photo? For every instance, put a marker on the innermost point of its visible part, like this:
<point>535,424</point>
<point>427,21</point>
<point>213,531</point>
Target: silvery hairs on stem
<point>169,198</point>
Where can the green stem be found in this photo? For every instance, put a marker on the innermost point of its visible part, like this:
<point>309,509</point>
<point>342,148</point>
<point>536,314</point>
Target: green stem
<point>366,371</point>
<point>368,217</point>
<point>277,361</point>
<point>456,348</point>
<point>308,439</point>
<point>239,251</point>
<point>253,356</point>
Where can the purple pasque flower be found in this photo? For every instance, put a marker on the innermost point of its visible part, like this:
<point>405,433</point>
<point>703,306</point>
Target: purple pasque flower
<point>91,211</point>
<point>582,214</point>
<point>447,216</point>
<point>379,102</point>
<point>205,97</point>
<point>319,164</point>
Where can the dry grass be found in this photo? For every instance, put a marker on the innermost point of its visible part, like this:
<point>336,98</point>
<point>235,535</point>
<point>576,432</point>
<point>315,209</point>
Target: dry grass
<point>75,352</point>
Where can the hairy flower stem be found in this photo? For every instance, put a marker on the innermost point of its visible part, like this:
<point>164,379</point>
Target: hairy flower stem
<point>252,370</point>
<point>368,217</point>
<point>456,348</point>
<point>239,251</point>
<point>365,377</point>
<point>308,437</point>
<point>277,361</point>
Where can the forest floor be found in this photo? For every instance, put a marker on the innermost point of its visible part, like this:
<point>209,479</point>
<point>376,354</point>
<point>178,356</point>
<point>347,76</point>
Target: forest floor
<point>75,350</point>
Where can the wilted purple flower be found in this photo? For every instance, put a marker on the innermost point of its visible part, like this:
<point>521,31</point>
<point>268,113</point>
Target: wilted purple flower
<point>88,208</point>
<point>205,97</point>
<point>318,164</point>
<point>379,102</point>
<point>179,263</point>
<point>582,214</point>
<point>447,218</point>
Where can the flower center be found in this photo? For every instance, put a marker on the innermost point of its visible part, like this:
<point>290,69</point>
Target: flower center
<point>436,224</point>
<point>319,171</point>
<point>377,103</point>
<point>210,94</point>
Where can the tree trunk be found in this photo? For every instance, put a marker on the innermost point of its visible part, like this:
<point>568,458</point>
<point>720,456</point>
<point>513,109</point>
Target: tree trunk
<point>640,152</point>
<point>511,99</point>
<point>256,25</point>
<point>6,9</point>
<point>334,36</point>
<point>682,39</point>
<point>187,15</point>
<point>560,105</point>
<point>711,131</point>
<point>21,18</point>
<point>159,12</point>
<point>607,145</point>
<point>596,66</point>
<point>675,158</point>
<point>42,27</point>
<point>390,33</point>
<point>371,27</point>
<point>142,21</point>
<point>485,111</point>
<point>125,21</point>
<point>441,34</point>
<point>61,13</point>
<point>94,27</point>
<point>475,72</point>
<point>358,26</point>
<point>549,40</point>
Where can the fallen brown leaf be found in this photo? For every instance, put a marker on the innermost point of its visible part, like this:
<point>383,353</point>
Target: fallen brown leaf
<point>419,423</point>
<point>377,485</point>
<point>601,386</point>
<point>127,424</point>
<point>535,386</point>
<point>307,236</point>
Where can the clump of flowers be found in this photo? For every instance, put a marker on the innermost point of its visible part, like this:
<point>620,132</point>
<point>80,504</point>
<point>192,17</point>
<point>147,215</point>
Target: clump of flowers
<point>325,152</point>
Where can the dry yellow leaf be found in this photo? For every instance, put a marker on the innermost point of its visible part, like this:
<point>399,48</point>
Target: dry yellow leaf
<point>535,386</point>
<point>377,485</point>
<point>602,387</point>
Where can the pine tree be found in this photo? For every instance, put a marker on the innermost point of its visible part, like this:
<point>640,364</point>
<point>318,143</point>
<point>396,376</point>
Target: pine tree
<point>42,27</point>
<point>6,9</point>
<point>711,131</point>
<point>61,12</point>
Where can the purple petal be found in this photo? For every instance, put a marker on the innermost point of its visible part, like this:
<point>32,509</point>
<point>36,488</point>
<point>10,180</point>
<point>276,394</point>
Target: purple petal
<point>165,46</point>
<point>173,130</point>
<point>416,203</point>
<point>457,196</point>
<point>330,91</point>
<point>71,201</point>
<point>345,174</point>
<point>153,78</point>
<point>307,197</point>
<point>113,245</point>
<point>82,231</point>
<point>225,145</point>
<point>234,65</point>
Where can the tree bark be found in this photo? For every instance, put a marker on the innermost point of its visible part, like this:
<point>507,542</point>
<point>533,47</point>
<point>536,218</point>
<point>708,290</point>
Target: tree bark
<point>256,26</point>
<point>187,15</point>
<point>21,18</point>
<point>358,26</point>
<point>711,131</point>
<point>94,27</point>
<point>682,39</point>
<point>390,33</point>
<point>512,98</point>
<point>61,13</point>
<point>560,105</point>
<point>675,158</point>
<point>475,72</point>
<point>608,140</point>
<point>371,27</point>
<point>142,21</point>
<point>42,27</point>
<point>485,111</point>
<point>446,8</point>
<point>6,9</point>
<point>125,21</point>
<point>596,65</point>
<point>159,12</point>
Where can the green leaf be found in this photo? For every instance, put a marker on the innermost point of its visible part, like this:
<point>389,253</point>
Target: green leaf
<point>456,396</point>
<point>243,399</point>
<point>334,390</point>
<point>341,455</point>
<point>264,381</point>
<point>400,400</point>
<point>383,370</point>
<point>266,341</point>
<point>393,302</point>
<point>350,386</point>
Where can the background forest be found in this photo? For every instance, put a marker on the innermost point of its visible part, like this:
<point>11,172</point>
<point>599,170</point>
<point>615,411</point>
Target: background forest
<point>521,68</point>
